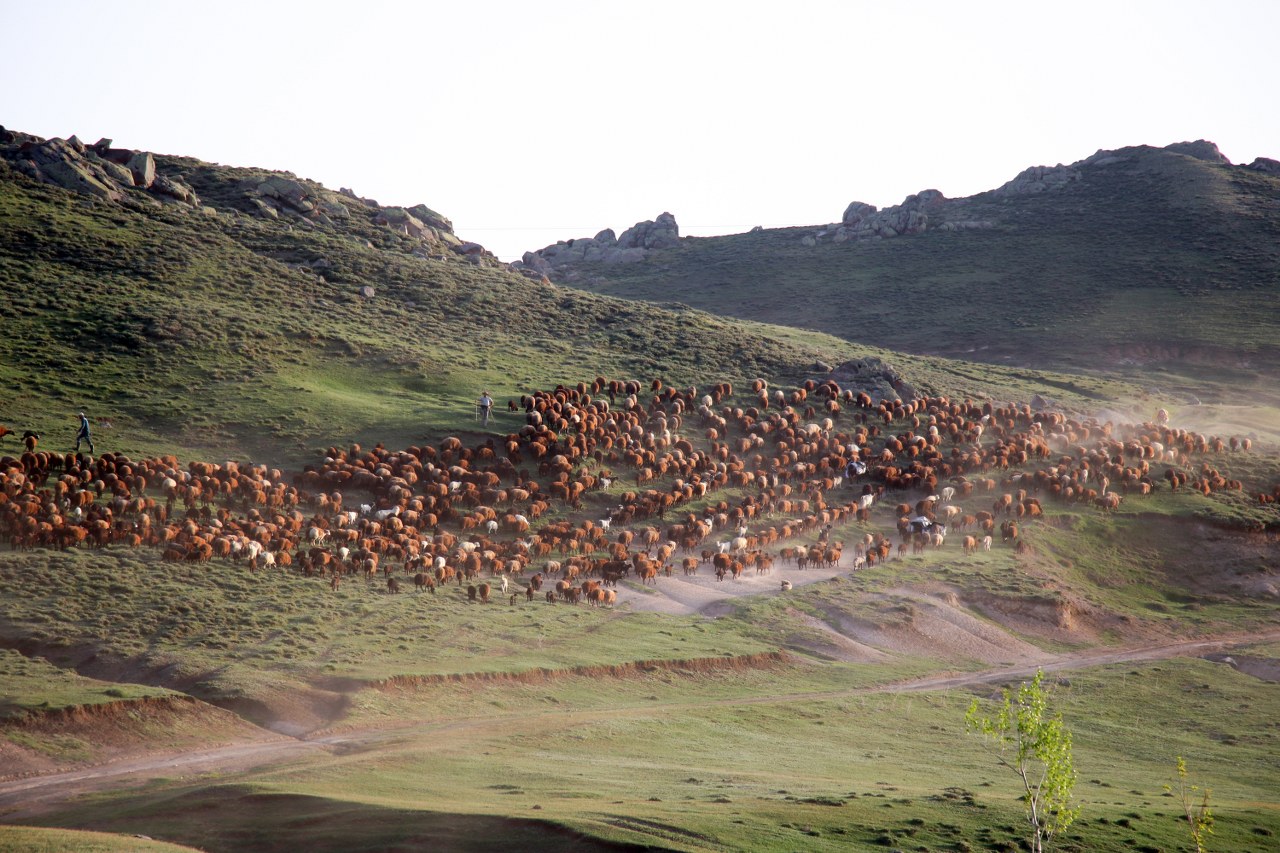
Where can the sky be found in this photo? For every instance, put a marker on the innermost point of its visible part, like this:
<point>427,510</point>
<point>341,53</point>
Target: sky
<point>531,122</point>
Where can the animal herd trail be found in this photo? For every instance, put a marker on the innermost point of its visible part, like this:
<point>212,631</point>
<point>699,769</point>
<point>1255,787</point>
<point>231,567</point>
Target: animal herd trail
<point>36,794</point>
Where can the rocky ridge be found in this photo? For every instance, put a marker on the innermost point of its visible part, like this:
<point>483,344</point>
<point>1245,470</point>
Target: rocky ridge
<point>635,244</point>
<point>138,178</point>
<point>927,210</point>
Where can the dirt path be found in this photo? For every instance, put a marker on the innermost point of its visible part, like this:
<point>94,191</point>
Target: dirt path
<point>33,795</point>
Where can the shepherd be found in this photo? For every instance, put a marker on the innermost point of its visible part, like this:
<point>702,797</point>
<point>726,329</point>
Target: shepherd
<point>484,406</point>
<point>83,434</point>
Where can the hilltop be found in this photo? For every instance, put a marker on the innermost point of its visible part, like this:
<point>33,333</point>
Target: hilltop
<point>1160,264</point>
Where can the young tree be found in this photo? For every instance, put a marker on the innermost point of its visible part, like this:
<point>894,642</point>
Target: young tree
<point>1199,818</point>
<point>1036,747</point>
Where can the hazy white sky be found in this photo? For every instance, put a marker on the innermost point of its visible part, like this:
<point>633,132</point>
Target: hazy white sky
<point>529,122</point>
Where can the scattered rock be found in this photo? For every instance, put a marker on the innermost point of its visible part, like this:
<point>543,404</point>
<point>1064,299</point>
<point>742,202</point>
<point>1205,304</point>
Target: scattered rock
<point>367,292</point>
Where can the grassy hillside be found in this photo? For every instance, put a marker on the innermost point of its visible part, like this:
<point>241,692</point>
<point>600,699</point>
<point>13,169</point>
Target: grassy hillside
<point>227,333</point>
<point>1157,266</point>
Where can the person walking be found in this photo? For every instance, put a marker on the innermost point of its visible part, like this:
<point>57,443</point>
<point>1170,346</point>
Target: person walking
<point>486,406</point>
<point>83,434</point>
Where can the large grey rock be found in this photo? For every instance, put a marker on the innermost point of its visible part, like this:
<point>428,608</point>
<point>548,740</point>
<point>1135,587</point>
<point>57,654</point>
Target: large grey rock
<point>75,175</point>
<point>117,173</point>
<point>288,191</point>
<point>857,211</point>
<point>143,168</point>
<point>174,189</point>
<point>402,222</point>
<point>430,218</point>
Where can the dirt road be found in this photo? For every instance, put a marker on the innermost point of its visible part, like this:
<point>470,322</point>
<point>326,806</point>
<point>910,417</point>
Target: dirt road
<point>33,795</point>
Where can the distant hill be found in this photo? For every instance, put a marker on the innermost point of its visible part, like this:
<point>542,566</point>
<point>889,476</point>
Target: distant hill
<point>1152,263</point>
<point>185,304</point>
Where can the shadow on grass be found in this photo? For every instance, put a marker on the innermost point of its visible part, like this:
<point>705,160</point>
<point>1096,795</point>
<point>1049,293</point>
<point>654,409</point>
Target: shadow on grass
<point>237,818</point>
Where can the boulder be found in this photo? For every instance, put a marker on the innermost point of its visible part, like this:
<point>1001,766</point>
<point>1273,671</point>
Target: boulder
<point>367,292</point>
<point>333,209</point>
<point>174,189</point>
<point>143,168</point>
<point>402,222</point>
<point>115,171</point>
<point>288,191</point>
<point>75,175</point>
<point>430,218</point>
<point>856,212</point>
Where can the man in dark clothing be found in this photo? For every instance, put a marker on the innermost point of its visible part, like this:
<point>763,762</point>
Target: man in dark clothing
<point>83,434</point>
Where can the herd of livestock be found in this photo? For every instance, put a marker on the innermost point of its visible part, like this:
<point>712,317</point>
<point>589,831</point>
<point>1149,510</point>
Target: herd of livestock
<point>612,479</point>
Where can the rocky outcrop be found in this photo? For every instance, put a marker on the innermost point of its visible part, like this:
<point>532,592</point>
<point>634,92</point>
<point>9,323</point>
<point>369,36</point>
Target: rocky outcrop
<point>1265,164</point>
<point>1201,149</point>
<point>635,244</point>
<point>305,201</point>
<point>660,233</point>
<point>99,170</point>
<point>875,376</point>
<point>124,175</point>
<point>1039,179</point>
<point>917,213</point>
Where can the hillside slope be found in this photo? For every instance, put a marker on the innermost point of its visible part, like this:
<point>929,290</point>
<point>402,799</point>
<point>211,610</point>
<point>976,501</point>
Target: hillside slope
<point>1134,261</point>
<point>237,311</point>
